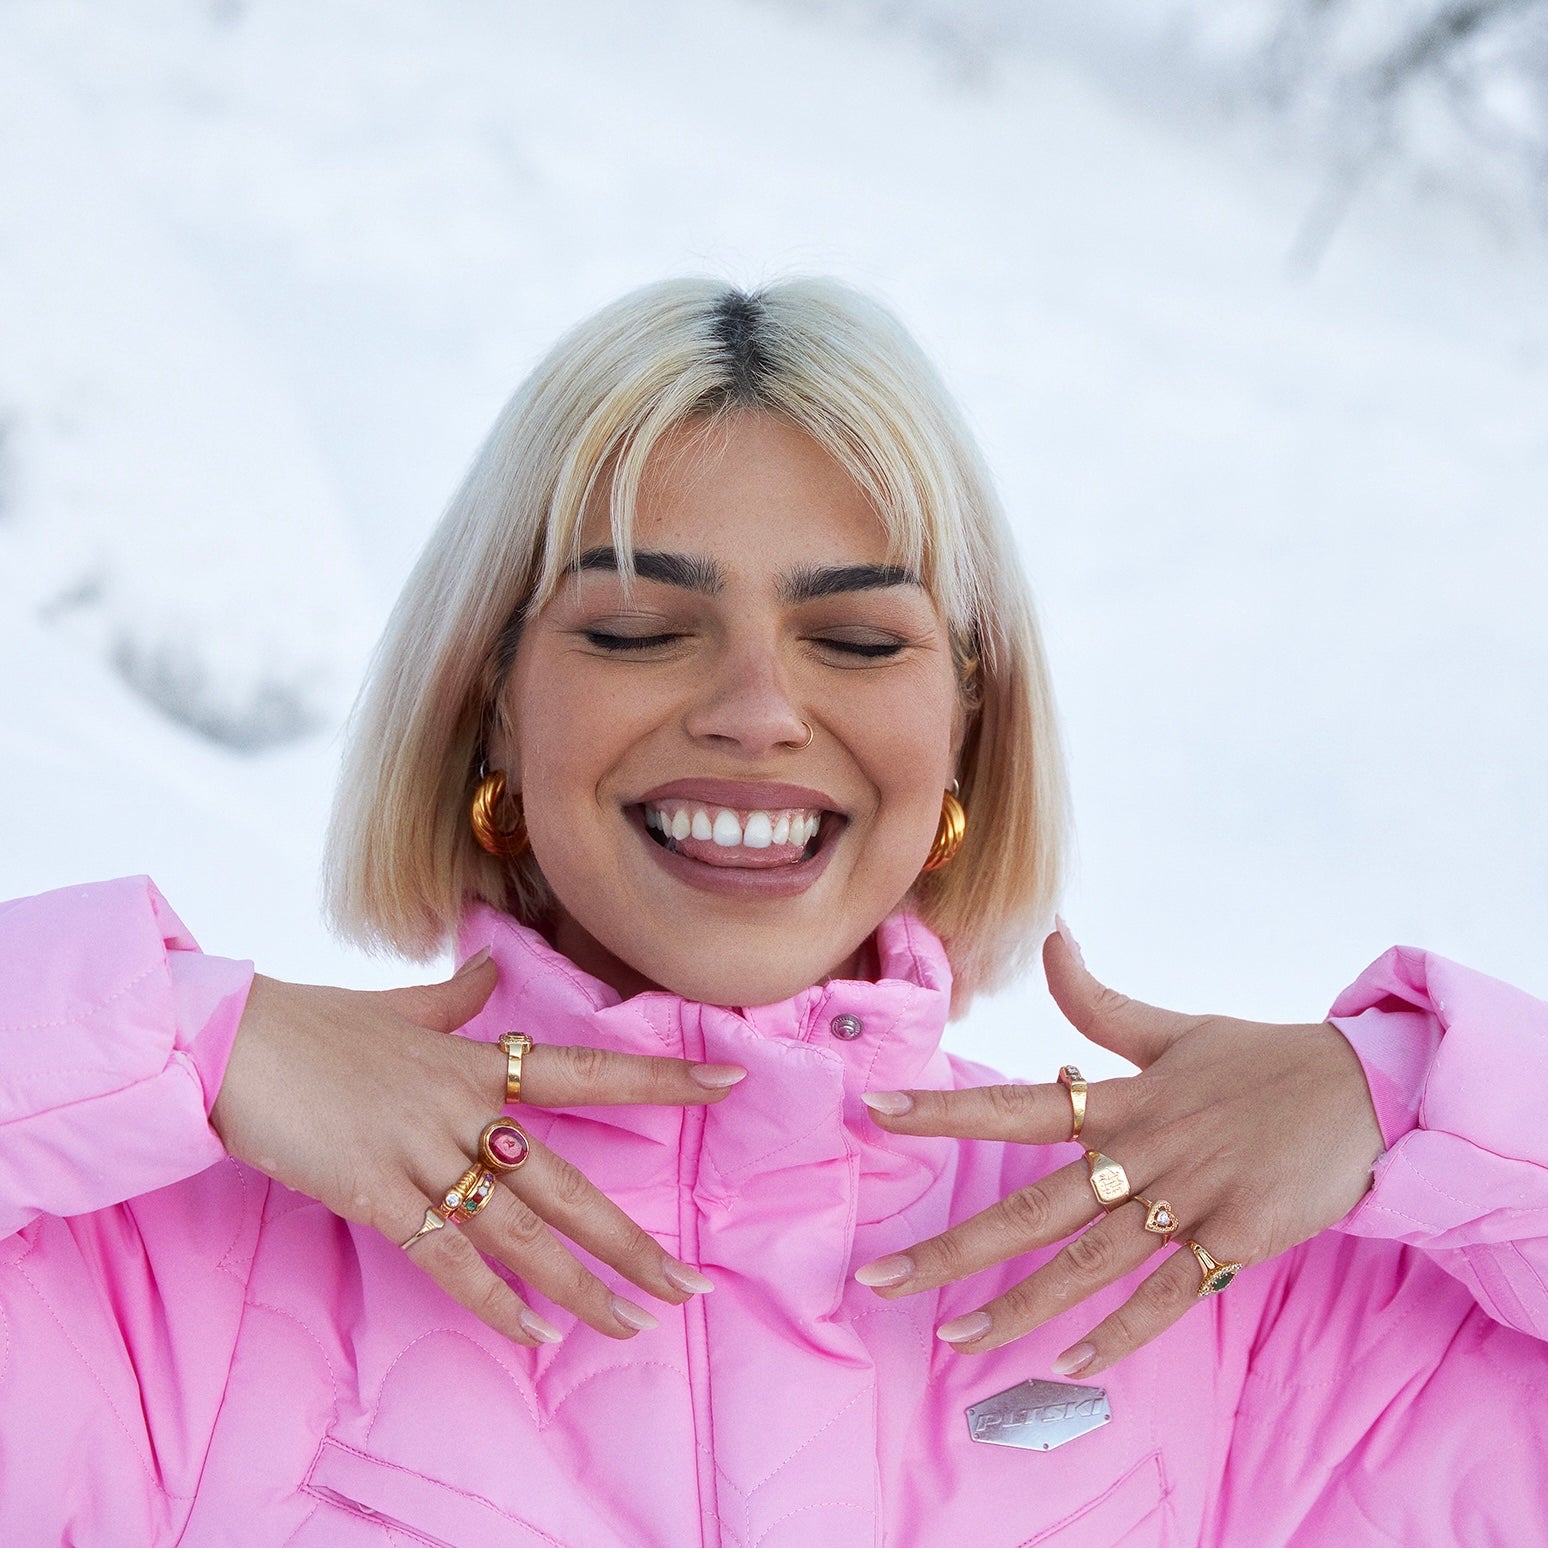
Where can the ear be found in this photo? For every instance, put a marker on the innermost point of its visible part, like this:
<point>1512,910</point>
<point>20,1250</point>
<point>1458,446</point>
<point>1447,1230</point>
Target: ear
<point>502,747</point>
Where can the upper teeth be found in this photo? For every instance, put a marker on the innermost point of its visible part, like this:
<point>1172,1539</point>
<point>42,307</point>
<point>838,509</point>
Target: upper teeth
<point>753,830</point>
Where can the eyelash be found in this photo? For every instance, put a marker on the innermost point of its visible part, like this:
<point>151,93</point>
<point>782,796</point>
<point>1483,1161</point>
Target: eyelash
<point>618,644</point>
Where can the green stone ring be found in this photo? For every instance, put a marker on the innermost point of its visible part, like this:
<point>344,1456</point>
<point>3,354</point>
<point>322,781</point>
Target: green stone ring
<point>1216,1276</point>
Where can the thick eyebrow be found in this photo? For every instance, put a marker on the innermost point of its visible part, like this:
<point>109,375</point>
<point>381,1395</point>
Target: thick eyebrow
<point>808,584</point>
<point>693,574</point>
<point>813,583</point>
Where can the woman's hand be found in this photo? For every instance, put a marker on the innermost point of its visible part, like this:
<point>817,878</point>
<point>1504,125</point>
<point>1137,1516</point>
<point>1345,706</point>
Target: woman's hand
<point>361,1100</point>
<point>1257,1136</point>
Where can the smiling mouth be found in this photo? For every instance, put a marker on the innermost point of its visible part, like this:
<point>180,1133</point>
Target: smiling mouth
<point>747,839</point>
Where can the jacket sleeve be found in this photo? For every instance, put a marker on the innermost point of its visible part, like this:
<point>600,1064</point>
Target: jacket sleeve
<point>1391,1374</point>
<point>125,1249</point>
<point>1458,1068</point>
<point>114,1035</point>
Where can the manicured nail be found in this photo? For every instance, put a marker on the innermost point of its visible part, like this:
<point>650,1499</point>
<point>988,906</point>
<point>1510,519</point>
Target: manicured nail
<point>1075,1360</point>
<point>478,959</point>
<point>890,1102</point>
<point>540,1329</point>
<point>633,1316</point>
<point>685,1277</point>
<point>717,1076</point>
<point>1068,939</point>
<point>887,1271</point>
<point>963,1330</point>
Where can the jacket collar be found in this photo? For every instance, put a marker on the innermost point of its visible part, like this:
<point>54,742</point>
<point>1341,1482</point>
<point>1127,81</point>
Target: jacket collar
<point>800,1105</point>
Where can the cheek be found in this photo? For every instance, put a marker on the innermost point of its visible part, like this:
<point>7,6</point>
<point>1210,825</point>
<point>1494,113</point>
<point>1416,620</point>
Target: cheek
<point>567,729</point>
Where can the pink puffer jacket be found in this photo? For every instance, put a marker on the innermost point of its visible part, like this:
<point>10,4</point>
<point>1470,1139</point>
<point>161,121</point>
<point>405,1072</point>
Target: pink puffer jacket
<point>191,1354</point>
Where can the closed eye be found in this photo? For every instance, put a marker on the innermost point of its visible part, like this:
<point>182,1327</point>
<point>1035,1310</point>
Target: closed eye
<point>603,640</point>
<point>871,650</point>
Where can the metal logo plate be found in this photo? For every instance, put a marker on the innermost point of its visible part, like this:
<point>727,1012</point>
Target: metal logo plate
<point>1038,1415</point>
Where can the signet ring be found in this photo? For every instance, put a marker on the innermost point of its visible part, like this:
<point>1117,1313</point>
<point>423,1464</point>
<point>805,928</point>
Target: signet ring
<point>1109,1181</point>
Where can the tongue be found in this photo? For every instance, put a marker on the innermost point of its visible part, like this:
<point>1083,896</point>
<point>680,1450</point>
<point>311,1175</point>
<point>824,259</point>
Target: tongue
<point>711,853</point>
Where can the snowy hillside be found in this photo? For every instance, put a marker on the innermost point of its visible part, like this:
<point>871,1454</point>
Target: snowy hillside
<point>267,271</point>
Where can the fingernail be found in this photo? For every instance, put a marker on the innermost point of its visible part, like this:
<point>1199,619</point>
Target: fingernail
<point>887,1271</point>
<point>633,1316</point>
<point>1068,939</point>
<point>1075,1360</point>
<point>717,1076</point>
<point>540,1329</point>
<point>890,1102</point>
<point>478,959</point>
<point>686,1278</point>
<point>962,1330</point>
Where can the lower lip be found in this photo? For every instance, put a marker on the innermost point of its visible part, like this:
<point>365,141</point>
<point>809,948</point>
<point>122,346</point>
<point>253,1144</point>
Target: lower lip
<point>785,881</point>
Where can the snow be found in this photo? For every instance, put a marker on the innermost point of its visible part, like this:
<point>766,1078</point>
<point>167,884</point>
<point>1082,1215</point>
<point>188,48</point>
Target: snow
<point>266,273</point>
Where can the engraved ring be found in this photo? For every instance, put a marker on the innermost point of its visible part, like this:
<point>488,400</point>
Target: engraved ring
<point>1216,1275</point>
<point>1109,1181</point>
<point>1075,1083</point>
<point>516,1045</point>
<point>1159,1216</point>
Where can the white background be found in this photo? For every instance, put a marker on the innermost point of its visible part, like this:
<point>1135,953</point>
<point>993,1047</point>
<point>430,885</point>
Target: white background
<point>267,273</point>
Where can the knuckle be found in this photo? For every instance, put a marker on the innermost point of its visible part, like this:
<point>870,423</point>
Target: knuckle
<point>1019,1304</point>
<point>568,1186</point>
<point>1108,1003</point>
<point>450,1256</point>
<point>523,1229</point>
<point>491,1301</point>
<point>1008,1103</point>
<point>1090,1255</point>
<point>945,1259</point>
<point>588,1065</point>
<point>1123,1330</point>
<point>1025,1212</point>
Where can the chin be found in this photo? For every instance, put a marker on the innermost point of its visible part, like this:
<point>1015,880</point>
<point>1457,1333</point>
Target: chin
<point>732,986</point>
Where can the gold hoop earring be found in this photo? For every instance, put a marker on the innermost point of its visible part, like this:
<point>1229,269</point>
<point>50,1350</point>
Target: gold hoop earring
<point>949,832</point>
<point>508,840</point>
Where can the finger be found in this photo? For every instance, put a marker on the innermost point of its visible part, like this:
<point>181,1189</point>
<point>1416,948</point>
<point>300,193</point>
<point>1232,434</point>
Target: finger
<point>455,1265</point>
<point>448,1005</point>
<point>1100,1256</point>
<point>570,1202</point>
<point>1032,1115</point>
<point>1162,1297</point>
<point>508,1229</point>
<point>1035,1216</point>
<point>578,1075</point>
<point>1139,1032</point>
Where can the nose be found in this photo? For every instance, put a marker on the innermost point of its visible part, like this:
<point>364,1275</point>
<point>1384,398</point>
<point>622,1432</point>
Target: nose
<point>746,707</point>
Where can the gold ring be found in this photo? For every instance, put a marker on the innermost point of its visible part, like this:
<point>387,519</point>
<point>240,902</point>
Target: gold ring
<point>432,1222</point>
<point>503,1146</point>
<point>1109,1181</point>
<point>1158,1215</point>
<point>1075,1083</point>
<point>468,1195</point>
<point>801,747</point>
<point>517,1046</point>
<point>1216,1276</point>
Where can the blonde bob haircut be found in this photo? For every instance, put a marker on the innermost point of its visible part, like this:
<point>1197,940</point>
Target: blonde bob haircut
<point>402,862</point>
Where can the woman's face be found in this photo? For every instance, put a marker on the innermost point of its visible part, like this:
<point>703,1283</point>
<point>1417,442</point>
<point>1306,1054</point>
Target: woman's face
<point>691,839</point>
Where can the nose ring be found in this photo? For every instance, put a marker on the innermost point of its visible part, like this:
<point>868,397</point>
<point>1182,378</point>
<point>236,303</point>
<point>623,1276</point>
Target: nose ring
<point>801,747</point>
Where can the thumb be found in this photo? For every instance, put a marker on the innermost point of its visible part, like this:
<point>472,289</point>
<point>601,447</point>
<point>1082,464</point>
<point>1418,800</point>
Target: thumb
<point>1138,1032</point>
<point>445,1006</point>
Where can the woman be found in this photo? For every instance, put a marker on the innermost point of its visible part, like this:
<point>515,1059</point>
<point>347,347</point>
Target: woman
<point>678,726</point>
